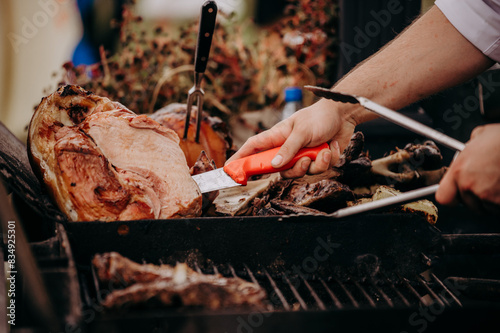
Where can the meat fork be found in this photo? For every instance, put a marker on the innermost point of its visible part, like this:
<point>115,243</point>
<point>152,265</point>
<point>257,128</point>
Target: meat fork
<point>205,34</point>
<point>398,119</point>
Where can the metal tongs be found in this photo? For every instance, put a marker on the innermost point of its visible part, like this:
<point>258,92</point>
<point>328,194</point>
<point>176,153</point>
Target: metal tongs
<point>205,34</point>
<point>402,121</point>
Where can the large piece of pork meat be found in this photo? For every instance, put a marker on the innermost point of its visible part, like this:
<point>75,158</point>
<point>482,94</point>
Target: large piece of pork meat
<point>101,161</point>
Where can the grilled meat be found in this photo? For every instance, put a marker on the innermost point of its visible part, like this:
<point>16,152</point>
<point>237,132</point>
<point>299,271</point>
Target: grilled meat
<point>101,161</point>
<point>214,137</point>
<point>204,164</point>
<point>317,192</point>
<point>414,166</point>
<point>172,286</point>
<point>353,150</point>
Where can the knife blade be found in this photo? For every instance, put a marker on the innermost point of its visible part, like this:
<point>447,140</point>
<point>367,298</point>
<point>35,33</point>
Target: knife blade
<point>237,172</point>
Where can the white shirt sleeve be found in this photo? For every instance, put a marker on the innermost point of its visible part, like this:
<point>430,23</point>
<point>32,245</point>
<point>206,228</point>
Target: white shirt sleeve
<point>476,20</point>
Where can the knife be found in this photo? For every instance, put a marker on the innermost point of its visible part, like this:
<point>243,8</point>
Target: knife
<point>237,172</point>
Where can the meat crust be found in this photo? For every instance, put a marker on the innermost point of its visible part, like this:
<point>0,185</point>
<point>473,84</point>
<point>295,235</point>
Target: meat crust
<point>101,161</point>
<point>214,136</point>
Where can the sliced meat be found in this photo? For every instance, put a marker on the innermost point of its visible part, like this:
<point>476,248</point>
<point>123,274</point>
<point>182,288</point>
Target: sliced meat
<point>322,192</point>
<point>100,161</point>
<point>172,286</point>
<point>326,195</point>
<point>113,268</point>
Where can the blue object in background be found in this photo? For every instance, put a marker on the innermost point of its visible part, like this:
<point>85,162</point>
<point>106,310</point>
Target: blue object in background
<point>293,101</point>
<point>85,52</point>
<point>96,18</point>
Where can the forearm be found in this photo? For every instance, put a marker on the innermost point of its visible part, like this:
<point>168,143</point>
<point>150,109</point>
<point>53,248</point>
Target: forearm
<point>429,56</point>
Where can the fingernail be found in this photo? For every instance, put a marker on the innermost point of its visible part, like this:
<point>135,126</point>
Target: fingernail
<point>304,165</point>
<point>336,145</point>
<point>276,162</point>
<point>327,156</point>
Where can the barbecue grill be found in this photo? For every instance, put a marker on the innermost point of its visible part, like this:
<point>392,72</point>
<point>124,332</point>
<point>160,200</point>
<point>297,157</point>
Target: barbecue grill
<point>375,272</point>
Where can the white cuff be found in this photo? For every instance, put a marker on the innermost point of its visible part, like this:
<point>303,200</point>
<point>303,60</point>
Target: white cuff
<point>476,20</point>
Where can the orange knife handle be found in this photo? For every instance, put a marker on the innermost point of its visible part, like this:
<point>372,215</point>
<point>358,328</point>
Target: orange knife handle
<point>241,169</point>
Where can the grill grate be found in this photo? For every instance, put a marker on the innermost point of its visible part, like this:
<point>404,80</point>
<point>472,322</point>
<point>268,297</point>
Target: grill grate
<point>300,293</point>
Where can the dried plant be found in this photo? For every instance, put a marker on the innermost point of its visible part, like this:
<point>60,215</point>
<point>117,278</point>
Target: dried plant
<point>153,66</point>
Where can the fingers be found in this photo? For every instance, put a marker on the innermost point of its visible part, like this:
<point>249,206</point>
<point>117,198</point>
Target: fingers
<point>298,170</point>
<point>260,142</point>
<point>322,162</point>
<point>325,159</point>
<point>477,131</point>
<point>450,192</point>
<point>447,193</point>
<point>288,150</point>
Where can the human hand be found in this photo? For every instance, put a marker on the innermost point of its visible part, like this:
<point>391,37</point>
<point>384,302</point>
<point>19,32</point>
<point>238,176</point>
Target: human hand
<point>319,123</point>
<point>474,176</point>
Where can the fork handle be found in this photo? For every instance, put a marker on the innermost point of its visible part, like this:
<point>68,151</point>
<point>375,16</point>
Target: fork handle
<point>205,34</point>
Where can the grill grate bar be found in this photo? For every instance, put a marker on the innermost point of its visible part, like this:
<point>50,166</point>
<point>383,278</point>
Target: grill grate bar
<point>278,291</point>
<point>197,268</point>
<point>233,272</point>
<point>396,290</point>
<point>85,290</point>
<point>363,291</point>
<point>348,293</point>
<point>296,293</point>
<point>320,303</point>
<point>455,299</point>
<point>414,292</point>
<point>252,277</point>
<point>382,293</point>
<point>95,279</point>
<point>332,295</point>
<point>430,291</point>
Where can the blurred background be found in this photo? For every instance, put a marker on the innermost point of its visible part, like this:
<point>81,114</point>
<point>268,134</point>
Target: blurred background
<point>141,54</point>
